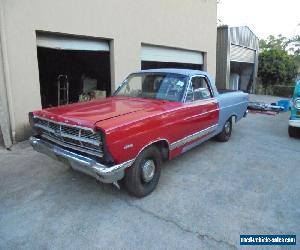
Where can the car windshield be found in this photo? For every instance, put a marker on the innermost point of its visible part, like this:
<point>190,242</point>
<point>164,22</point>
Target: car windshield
<point>163,86</point>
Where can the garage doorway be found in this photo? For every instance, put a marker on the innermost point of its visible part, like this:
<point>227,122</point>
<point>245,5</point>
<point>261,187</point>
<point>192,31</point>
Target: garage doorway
<point>241,76</point>
<point>154,57</point>
<point>242,68</point>
<point>72,69</point>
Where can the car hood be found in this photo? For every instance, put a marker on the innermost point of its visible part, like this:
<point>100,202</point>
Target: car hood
<point>87,114</point>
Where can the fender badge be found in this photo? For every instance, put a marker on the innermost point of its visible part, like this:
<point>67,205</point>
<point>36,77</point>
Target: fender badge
<point>128,146</point>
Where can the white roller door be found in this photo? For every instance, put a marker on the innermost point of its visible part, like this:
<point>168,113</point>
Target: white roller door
<point>64,42</point>
<point>164,54</point>
<point>241,54</point>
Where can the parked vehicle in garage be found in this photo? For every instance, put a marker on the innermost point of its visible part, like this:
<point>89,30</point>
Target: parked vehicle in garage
<point>155,115</point>
<point>294,122</point>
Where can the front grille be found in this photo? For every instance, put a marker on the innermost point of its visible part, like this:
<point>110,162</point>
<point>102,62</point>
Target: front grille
<point>77,138</point>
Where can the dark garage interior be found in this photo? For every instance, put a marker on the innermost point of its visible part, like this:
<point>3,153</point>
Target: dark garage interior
<point>157,65</point>
<point>79,66</point>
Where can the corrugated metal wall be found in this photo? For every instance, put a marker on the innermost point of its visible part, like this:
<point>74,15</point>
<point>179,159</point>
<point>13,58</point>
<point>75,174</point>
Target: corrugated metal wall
<point>243,36</point>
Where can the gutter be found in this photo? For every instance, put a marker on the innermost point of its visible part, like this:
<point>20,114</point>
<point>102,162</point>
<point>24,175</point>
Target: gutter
<point>7,81</point>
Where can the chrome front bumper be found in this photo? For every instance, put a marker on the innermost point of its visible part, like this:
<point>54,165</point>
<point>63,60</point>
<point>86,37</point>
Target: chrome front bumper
<point>81,163</point>
<point>294,123</point>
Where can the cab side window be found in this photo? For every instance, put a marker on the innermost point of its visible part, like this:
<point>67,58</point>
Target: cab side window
<point>199,89</point>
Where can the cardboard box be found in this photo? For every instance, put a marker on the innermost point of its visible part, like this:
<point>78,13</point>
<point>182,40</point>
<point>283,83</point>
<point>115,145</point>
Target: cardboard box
<point>98,94</point>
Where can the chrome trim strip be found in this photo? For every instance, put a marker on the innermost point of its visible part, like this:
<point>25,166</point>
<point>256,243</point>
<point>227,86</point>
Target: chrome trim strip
<point>193,137</point>
<point>152,142</point>
<point>80,138</point>
<point>61,131</point>
<point>74,147</point>
<point>103,170</point>
<point>232,105</point>
<point>196,143</point>
<point>203,113</point>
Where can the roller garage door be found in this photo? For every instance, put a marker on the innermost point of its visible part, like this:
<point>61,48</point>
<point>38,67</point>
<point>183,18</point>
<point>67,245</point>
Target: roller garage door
<point>166,57</point>
<point>241,54</point>
<point>64,42</point>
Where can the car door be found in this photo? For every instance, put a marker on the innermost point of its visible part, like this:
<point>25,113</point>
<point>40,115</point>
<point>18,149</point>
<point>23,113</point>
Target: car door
<point>201,109</point>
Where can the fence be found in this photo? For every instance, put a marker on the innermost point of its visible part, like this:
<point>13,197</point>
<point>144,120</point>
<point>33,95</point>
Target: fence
<point>275,90</point>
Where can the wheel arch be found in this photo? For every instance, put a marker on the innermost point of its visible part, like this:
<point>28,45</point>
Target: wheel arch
<point>162,144</point>
<point>235,117</point>
<point>232,116</point>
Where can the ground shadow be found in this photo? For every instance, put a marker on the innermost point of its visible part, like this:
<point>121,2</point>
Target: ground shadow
<point>1,140</point>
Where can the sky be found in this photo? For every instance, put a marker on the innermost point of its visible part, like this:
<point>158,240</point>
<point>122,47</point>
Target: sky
<point>263,17</point>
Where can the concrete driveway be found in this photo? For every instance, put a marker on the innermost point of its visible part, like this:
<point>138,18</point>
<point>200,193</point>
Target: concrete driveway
<point>205,199</point>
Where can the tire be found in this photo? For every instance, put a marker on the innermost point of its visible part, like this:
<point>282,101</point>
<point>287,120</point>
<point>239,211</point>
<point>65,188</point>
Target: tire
<point>226,132</point>
<point>292,131</point>
<point>139,179</point>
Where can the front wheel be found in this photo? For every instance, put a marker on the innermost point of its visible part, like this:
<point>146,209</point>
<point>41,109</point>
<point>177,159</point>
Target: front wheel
<point>292,131</point>
<point>226,132</point>
<point>143,176</point>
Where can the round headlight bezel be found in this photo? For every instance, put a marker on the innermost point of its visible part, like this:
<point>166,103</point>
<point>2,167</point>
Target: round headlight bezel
<point>297,103</point>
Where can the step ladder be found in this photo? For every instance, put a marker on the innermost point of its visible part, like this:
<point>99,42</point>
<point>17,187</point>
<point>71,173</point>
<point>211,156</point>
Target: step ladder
<point>62,90</point>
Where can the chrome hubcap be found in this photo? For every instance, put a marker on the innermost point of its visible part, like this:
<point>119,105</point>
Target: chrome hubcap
<point>148,170</point>
<point>227,128</point>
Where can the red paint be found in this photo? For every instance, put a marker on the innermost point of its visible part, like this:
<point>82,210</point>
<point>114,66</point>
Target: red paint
<point>138,121</point>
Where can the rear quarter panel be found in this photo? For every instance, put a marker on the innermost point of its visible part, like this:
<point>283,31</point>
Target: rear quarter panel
<point>232,104</point>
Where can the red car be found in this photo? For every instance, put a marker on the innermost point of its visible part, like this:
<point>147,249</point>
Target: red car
<point>155,115</point>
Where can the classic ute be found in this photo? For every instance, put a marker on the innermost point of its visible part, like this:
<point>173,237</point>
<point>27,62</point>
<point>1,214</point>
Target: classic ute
<point>155,115</point>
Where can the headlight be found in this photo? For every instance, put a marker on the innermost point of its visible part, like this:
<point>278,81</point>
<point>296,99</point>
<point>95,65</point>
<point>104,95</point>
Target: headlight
<point>297,103</point>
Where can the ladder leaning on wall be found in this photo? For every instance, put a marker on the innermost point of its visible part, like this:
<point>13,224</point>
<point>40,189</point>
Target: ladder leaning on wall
<point>62,90</point>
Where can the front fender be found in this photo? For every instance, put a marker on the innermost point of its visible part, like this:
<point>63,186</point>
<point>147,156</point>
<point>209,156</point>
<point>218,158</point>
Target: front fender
<point>126,143</point>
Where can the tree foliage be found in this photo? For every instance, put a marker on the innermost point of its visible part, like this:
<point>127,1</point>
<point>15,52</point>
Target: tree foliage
<point>276,67</point>
<point>279,60</point>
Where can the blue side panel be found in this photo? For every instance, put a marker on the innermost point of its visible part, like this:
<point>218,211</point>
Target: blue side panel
<point>232,104</point>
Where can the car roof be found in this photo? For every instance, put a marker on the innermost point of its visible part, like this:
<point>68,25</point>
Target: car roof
<point>186,72</point>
